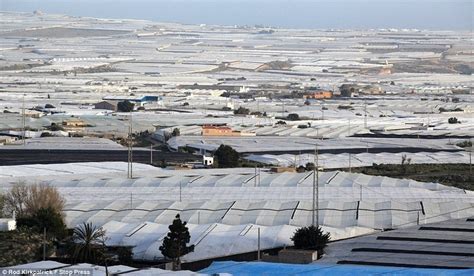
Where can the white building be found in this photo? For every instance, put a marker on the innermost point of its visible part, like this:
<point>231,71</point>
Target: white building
<point>207,160</point>
<point>7,224</point>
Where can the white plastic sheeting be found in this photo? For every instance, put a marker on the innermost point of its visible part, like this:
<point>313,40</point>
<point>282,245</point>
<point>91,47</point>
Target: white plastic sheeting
<point>338,214</point>
<point>346,160</point>
<point>210,240</point>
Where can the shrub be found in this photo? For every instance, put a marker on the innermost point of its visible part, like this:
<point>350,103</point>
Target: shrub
<point>226,157</point>
<point>242,111</point>
<point>27,200</point>
<point>45,218</point>
<point>176,132</point>
<point>293,117</point>
<point>453,120</point>
<point>312,238</point>
<point>464,144</point>
<point>125,106</point>
<point>310,166</point>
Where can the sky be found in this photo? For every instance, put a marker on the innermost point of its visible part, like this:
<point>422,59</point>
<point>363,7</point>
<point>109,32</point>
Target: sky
<point>319,14</point>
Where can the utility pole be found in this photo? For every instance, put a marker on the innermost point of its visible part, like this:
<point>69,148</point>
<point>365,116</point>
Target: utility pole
<point>322,110</point>
<point>130,147</point>
<point>365,114</point>
<point>44,243</point>
<point>255,178</point>
<point>258,244</point>
<point>350,167</point>
<point>317,186</point>
<point>470,158</point>
<point>315,209</point>
<point>180,188</point>
<point>349,132</point>
<point>151,154</point>
<point>23,119</point>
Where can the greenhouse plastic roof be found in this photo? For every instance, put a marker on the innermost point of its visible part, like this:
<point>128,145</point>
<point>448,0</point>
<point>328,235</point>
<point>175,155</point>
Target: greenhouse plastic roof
<point>210,240</point>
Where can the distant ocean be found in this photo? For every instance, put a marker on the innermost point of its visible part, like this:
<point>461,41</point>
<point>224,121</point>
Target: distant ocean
<point>322,14</point>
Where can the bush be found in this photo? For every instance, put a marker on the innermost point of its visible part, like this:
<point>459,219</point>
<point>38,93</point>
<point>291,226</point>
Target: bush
<point>310,166</point>
<point>311,238</point>
<point>55,127</point>
<point>301,169</point>
<point>20,246</point>
<point>348,107</point>
<point>125,106</point>
<point>27,200</point>
<point>175,132</point>
<point>293,117</point>
<point>453,120</point>
<point>464,144</point>
<point>280,123</point>
<point>242,111</point>
<point>226,157</point>
<point>45,218</point>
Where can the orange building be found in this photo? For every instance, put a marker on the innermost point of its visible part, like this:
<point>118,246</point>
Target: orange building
<point>318,95</point>
<point>211,130</point>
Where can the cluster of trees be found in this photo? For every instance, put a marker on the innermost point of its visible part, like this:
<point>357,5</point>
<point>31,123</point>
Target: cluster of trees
<point>308,167</point>
<point>293,117</point>
<point>41,231</point>
<point>125,106</point>
<point>242,111</point>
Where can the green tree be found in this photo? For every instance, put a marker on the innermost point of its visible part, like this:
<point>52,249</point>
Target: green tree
<point>20,246</point>
<point>226,157</point>
<point>312,238</point>
<point>2,206</point>
<point>176,132</point>
<point>293,117</point>
<point>55,127</point>
<point>174,244</point>
<point>25,200</point>
<point>453,120</point>
<point>242,111</point>
<point>310,166</point>
<point>88,244</point>
<point>125,106</point>
<point>45,218</point>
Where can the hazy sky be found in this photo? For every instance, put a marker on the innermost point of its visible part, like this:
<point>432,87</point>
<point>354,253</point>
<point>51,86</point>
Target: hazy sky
<point>356,14</point>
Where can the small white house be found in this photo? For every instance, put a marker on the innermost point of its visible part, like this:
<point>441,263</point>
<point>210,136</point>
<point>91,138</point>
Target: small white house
<point>7,224</point>
<point>207,160</point>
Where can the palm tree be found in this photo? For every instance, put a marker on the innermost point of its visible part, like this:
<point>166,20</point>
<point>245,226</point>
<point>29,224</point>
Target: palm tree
<point>89,243</point>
